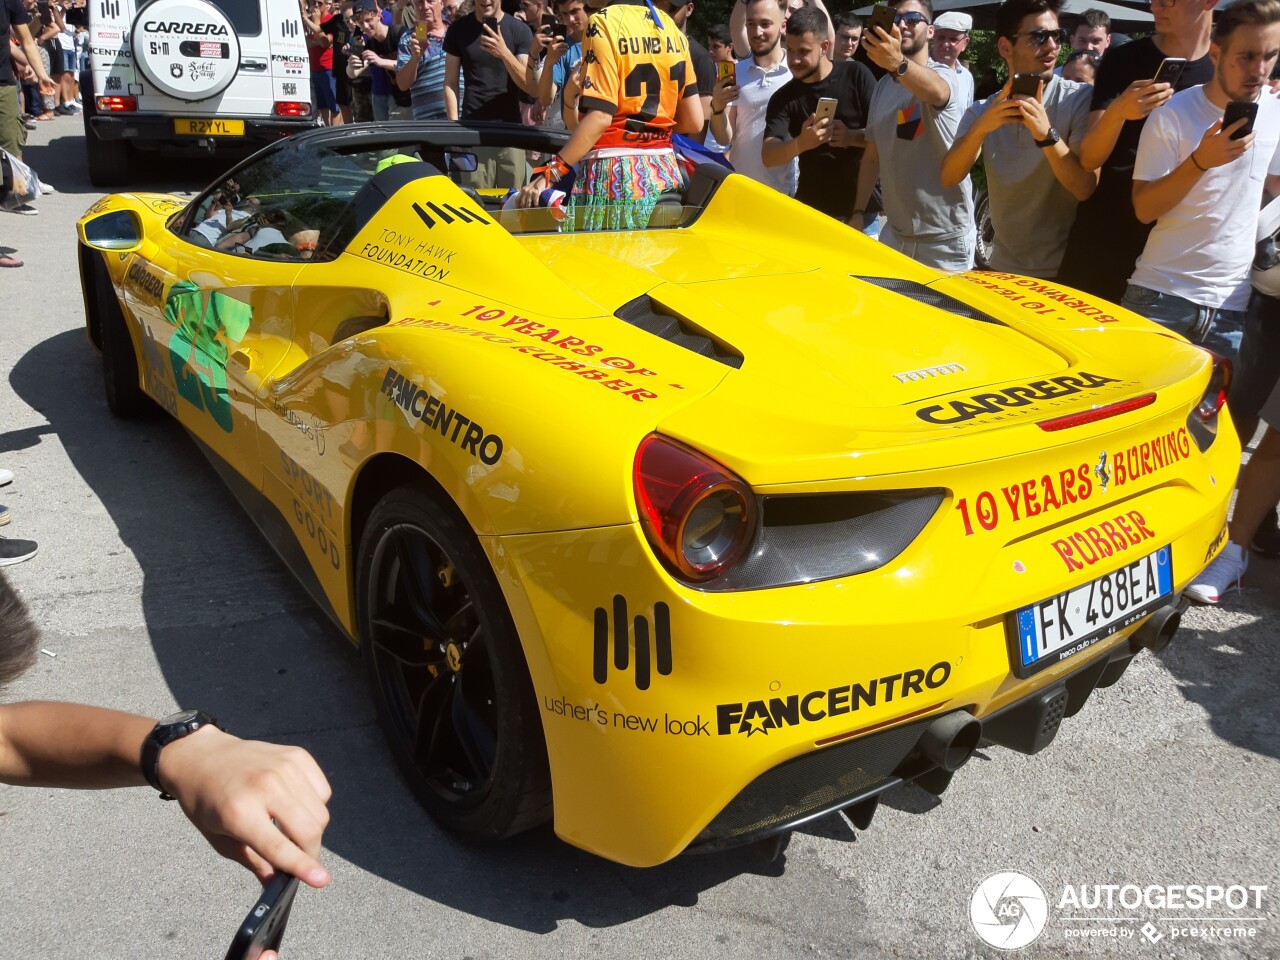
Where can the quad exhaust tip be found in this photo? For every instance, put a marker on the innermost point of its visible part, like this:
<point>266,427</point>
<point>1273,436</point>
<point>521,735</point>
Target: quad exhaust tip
<point>950,741</point>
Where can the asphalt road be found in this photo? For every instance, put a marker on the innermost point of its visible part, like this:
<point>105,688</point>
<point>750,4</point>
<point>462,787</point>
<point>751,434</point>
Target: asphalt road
<point>154,591</point>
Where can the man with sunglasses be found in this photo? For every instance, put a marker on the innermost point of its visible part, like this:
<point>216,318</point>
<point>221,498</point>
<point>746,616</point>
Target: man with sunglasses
<point>1034,177</point>
<point>1107,237</point>
<point>913,119</point>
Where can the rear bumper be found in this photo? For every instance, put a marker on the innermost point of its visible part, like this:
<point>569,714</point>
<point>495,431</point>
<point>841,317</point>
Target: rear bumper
<point>156,131</point>
<point>853,775</point>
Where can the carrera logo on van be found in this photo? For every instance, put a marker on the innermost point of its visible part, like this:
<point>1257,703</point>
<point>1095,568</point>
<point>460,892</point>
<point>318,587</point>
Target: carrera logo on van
<point>161,26</point>
<point>985,404</point>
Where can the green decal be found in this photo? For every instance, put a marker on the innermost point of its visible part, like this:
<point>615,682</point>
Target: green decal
<point>198,357</point>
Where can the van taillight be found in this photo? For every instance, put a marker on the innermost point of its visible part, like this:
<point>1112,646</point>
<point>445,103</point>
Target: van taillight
<point>117,104</point>
<point>292,108</point>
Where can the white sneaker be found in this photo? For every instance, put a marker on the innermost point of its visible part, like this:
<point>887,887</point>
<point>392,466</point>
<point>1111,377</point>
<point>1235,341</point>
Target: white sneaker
<point>1226,571</point>
<point>47,188</point>
<point>6,476</point>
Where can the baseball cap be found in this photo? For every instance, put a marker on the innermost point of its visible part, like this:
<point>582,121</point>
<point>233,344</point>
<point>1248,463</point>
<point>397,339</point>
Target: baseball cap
<point>954,20</point>
<point>364,6</point>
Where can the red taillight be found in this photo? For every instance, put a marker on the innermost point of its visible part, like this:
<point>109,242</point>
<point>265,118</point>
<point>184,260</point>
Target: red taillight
<point>1097,413</point>
<point>117,104</point>
<point>1215,394</point>
<point>292,108</point>
<point>698,516</point>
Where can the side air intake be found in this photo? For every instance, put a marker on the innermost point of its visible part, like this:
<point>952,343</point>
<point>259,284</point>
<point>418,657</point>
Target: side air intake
<point>929,297</point>
<point>656,319</point>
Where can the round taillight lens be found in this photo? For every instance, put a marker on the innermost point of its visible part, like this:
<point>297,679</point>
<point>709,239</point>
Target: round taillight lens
<point>697,515</point>
<point>1215,394</point>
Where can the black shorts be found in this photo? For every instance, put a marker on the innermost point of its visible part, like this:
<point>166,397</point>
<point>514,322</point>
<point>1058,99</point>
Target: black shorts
<point>342,88</point>
<point>1257,367</point>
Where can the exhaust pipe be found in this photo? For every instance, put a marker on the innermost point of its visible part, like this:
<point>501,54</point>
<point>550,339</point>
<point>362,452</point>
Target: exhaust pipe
<point>949,741</point>
<point>1155,634</point>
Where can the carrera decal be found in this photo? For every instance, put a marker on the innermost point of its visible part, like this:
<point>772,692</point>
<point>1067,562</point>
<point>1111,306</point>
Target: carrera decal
<point>1001,401</point>
<point>144,284</point>
<point>646,662</point>
<point>1102,541</point>
<point>437,415</point>
<point>760,716</point>
<point>198,357</point>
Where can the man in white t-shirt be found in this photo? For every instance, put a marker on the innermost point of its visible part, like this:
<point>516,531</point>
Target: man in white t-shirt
<point>738,105</point>
<point>1203,186</point>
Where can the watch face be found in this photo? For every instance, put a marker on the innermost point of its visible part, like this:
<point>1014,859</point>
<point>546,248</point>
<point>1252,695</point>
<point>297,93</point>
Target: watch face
<point>182,716</point>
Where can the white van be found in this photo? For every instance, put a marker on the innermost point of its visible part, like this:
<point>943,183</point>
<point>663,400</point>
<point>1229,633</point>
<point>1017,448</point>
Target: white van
<point>226,76</point>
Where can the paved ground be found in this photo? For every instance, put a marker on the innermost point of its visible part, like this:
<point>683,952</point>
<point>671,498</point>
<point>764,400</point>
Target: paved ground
<point>154,591</point>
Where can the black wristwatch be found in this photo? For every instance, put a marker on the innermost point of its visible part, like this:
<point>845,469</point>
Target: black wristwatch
<point>1050,141</point>
<point>169,729</point>
<point>901,71</point>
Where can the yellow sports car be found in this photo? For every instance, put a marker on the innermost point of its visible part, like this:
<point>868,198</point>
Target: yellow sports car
<point>679,537</point>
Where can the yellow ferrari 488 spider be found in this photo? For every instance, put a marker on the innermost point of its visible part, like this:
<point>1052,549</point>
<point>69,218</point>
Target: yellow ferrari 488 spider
<point>680,536</point>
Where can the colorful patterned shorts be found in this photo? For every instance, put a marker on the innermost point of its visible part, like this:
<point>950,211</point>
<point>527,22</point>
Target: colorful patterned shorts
<point>619,193</point>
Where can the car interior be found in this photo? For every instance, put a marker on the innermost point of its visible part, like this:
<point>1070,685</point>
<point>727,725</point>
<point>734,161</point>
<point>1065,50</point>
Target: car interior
<point>306,198</point>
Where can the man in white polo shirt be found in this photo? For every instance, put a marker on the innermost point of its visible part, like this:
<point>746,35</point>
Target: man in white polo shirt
<point>1203,186</point>
<point>738,107</point>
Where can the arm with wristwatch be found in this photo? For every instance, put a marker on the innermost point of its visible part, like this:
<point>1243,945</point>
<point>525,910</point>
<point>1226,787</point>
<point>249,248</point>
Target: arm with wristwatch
<point>231,789</point>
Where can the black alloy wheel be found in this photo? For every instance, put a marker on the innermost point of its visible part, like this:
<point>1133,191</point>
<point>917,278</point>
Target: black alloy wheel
<point>448,675</point>
<point>986,243</point>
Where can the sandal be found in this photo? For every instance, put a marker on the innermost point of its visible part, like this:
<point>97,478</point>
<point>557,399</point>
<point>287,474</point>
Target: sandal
<point>9,261</point>
<point>47,116</point>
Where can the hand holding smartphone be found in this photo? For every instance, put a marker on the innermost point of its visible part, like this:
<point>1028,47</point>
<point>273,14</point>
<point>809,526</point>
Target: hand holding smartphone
<point>263,928</point>
<point>826,109</point>
<point>1025,85</point>
<point>1246,110</point>
<point>882,17</point>
<point>726,71</point>
<point>1170,70</point>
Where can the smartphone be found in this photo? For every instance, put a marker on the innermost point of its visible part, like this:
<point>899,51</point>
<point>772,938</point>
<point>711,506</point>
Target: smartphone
<point>560,31</point>
<point>826,108</point>
<point>1024,85</point>
<point>727,70</point>
<point>420,32</point>
<point>357,43</point>
<point>1236,110</point>
<point>1170,70</point>
<point>491,23</point>
<point>882,17</point>
<point>263,928</point>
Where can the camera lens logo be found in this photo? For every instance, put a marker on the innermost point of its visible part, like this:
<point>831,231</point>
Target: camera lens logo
<point>1008,910</point>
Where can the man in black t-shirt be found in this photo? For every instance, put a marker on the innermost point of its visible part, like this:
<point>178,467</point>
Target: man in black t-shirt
<point>493,49</point>
<point>828,152</point>
<point>1107,237</point>
<point>339,34</point>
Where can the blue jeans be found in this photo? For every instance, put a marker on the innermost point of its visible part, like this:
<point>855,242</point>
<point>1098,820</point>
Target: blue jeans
<point>1219,330</point>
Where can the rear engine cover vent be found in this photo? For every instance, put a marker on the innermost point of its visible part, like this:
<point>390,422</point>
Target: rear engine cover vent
<point>654,318</point>
<point>928,296</point>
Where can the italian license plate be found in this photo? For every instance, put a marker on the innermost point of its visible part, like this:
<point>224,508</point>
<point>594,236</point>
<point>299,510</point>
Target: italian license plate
<point>210,128</point>
<point>1050,631</point>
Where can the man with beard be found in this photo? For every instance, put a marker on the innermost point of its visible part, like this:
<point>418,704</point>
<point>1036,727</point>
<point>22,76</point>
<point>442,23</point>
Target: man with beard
<point>1107,237</point>
<point>740,102</point>
<point>914,116</point>
<point>1033,177</point>
<point>1202,187</point>
<point>828,149</point>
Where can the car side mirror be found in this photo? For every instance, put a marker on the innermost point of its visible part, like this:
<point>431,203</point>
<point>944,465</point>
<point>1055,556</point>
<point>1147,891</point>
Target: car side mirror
<point>117,230</point>
<point>461,162</point>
